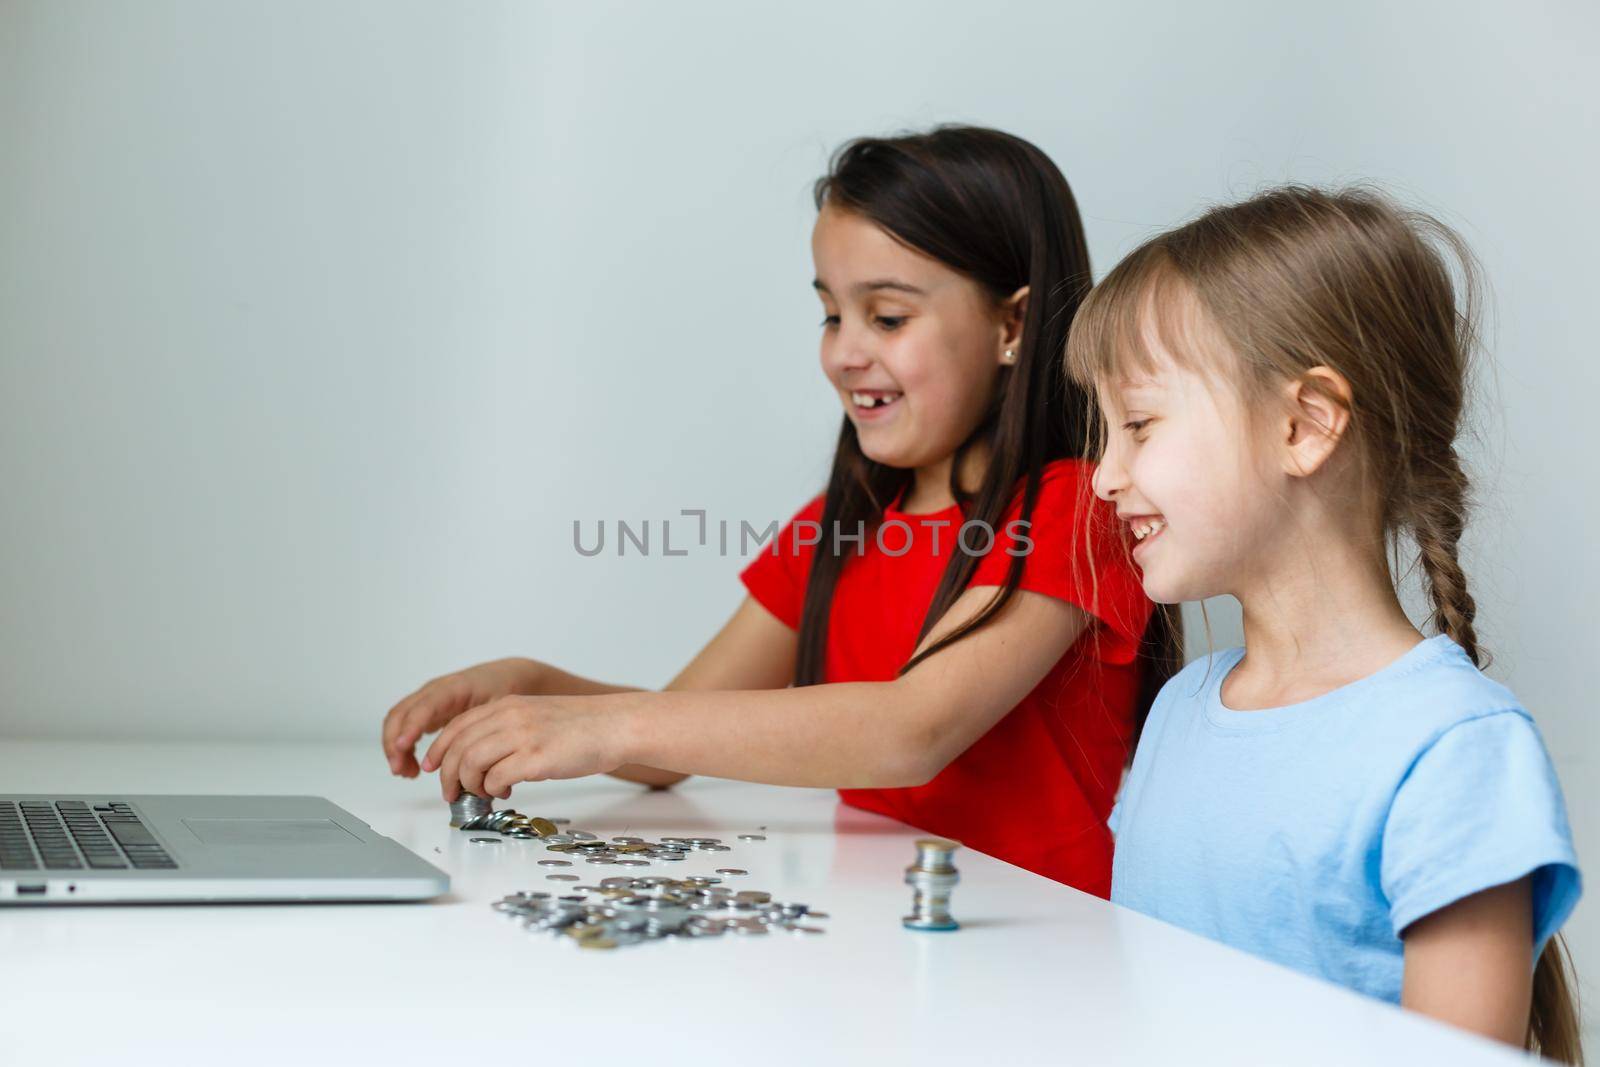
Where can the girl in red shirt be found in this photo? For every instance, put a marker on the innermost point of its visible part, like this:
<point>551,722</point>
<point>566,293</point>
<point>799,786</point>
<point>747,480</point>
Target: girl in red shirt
<point>952,634</point>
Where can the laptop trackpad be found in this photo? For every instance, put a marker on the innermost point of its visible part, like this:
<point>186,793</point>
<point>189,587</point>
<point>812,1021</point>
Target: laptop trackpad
<point>270,832</point>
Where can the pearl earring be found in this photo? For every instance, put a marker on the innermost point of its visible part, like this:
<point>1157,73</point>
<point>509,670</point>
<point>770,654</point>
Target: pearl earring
<point>1010,356</point>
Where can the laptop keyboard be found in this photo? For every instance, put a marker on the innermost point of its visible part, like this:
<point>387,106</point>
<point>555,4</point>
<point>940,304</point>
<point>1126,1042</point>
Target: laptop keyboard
<point>71,835</point>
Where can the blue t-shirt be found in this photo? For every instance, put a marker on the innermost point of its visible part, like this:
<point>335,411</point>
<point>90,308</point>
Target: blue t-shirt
<point>1314,834</point>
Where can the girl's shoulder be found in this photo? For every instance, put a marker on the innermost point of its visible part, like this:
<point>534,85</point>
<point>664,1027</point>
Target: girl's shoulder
<point>1405,707</point>
<point>1066,501</point>
<point>1188,690</point>
<point>811,510</point>
<point>1065,479</point>
<point>1433,689</point>
<point>1069,467</point>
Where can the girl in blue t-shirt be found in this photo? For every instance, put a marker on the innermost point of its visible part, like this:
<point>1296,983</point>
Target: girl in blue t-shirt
<point>1282,381</point>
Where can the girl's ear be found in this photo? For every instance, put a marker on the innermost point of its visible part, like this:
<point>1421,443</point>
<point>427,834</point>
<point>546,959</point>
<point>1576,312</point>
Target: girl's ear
<point>1318,414</point>
<point>1013,309</point>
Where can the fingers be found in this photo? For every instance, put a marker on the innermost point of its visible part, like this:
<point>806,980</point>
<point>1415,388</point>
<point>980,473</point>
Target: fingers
<point>417,719</point>
<point>441,744</point>
<point>453,733</point>
<point>472,755</point>
<point>520,766</point>
<point>398,754</point>
<point>430,706</point>
<point>417,715</point>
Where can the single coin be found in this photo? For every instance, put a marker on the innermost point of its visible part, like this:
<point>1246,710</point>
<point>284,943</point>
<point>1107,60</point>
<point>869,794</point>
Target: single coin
<point>751,837</point>
<point>583,835</point>
<point>484,840</point>
<point>797,928</point>
<point>731,870</point>
<point>542,827</point>
<point>632,863</point>
<point>597,942</point>
<point>561,877</point>
<point>555,863</point>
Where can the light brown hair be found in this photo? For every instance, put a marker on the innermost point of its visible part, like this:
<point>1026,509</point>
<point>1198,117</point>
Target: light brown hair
<point>1298,278</point>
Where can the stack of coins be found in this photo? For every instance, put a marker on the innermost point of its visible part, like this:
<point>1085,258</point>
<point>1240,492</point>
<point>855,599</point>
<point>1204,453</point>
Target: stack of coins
<point>931,879</point>
<point>467,809</point>
<point>627,911</point>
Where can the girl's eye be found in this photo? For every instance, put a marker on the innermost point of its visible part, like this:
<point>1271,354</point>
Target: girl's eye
<point>830,320</point>
<point>1136,426</point>
<point>891,322</point>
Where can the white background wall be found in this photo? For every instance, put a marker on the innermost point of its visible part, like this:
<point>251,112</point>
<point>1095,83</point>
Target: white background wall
<point>321,323</point>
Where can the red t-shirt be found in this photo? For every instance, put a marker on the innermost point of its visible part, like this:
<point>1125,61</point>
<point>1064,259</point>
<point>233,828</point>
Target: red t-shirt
<point>1037,788</point>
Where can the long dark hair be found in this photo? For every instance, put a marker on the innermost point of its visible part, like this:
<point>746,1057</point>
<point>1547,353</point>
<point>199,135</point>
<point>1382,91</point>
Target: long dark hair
<point>995,209</point>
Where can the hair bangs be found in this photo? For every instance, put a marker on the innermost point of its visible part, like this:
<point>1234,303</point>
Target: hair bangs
<point>1142,315</point>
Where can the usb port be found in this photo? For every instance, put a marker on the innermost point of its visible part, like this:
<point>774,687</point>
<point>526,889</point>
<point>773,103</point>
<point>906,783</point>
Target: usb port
<point>34,890</point>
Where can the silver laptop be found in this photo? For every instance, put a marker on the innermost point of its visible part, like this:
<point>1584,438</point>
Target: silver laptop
<point>114,849</point>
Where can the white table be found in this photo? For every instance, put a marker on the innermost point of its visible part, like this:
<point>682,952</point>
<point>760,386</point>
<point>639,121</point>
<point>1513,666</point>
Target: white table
<point>1039,973</point>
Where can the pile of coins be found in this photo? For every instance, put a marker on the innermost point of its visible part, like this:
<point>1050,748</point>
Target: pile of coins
<point>470,812</point>
<point>628,911</point>
<point>630,851</point>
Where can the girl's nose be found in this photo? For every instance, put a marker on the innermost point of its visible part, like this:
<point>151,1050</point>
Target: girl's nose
<point>1110,477</point>
<point>846,355</point>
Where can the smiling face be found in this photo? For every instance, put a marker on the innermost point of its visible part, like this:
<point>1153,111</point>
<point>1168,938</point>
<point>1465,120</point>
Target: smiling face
<point>1186,467</point>
<point>912,347</point>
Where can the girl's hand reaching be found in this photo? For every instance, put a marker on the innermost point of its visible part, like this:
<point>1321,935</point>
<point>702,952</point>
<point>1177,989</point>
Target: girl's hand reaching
<point>438,702</point>
<point>526,738</point>
<point>753,650</point>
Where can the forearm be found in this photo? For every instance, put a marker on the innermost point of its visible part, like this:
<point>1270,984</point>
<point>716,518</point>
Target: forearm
<point>546,680</point>
<point>543,679</point>
<point>849,735</point>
